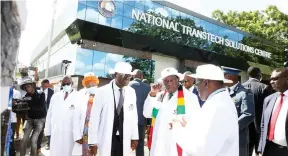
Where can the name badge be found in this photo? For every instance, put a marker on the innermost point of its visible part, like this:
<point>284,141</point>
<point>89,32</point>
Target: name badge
<point>131,107</point>
<point>72,107</point>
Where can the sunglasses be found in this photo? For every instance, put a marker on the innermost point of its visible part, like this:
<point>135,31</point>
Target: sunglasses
<point>126,76</point>
<point>66,84</point>
<point>185,81</point>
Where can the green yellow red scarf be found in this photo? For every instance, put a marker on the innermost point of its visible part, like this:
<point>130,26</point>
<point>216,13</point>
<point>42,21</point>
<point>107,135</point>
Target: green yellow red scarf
<point>180,110</point>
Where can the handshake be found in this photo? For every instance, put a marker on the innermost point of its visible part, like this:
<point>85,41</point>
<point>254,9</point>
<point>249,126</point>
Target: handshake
<point>178,121</point>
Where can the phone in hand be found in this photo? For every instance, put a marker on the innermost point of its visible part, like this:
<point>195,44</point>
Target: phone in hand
<point>31,68</point>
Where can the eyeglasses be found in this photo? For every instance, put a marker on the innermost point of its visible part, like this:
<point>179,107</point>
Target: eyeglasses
<point>126,76</point>
<point>66,84</point>
<point>184,81</point>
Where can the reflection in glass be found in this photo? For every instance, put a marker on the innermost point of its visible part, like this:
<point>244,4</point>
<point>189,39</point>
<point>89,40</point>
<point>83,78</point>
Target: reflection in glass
<point>127,11</point>
<point>104,21</point>
<point>140,5</point>
<point>175,13</point>
<point>127,22</point>
<point>92,15</point>
<point>197,22</point>
<point>81,11</point>
<point>130,2</point>
<point>117,22</point>
<point>93,3</point>
<point>119,9</point>
<point>82,2</point>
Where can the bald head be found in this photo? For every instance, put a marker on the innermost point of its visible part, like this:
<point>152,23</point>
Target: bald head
<point>138,74</point>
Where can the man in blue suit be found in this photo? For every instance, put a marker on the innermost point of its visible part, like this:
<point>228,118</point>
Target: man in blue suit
<point>244,102</point>
<point>188,83</point>
<point>142,90</point>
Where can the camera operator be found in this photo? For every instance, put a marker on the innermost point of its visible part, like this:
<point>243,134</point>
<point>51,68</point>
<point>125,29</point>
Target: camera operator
<point>35,117</point>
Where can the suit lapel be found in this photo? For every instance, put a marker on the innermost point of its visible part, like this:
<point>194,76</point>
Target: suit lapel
<point>271,105</point>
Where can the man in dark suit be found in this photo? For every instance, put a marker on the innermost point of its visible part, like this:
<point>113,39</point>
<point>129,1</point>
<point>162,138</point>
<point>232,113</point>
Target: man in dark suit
<point>188,83</point>
<point>260,91</point>
<point>48,94</point>
<point>244,102</point>
<point>274,123</point>
<point>142,90</point>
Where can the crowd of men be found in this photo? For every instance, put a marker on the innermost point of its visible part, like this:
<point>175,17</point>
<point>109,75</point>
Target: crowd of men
<point>207,113</point>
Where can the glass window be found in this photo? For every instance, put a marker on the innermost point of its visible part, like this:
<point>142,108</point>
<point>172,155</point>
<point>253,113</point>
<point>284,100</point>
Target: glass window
<point>117,22</point>
<point>84,58</point>
<point>93,3</point>
<point>175,13</point>
<point>183,15</point>
<point>119,9</point>
<point>157,5</point>
<point>240,37</point>
<point>127,11</point>
<point>148,6</point>
<point>82,2</point>
<point>209,27</point>
<point>140,5</point>
<point>105,21</point>
<point>197,22</point>
<point>130,2</point>
<point>92,15</point>
<point>81,11</point>
<point>127,22</point>
<point>203,25</point>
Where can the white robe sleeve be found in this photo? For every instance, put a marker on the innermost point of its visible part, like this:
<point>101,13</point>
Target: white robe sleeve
<point>77,126</point>
<point>150,103</point>
<point>135,135</point>
<point>95,118</point>
<point>202,134</point>
<point>47,129</point>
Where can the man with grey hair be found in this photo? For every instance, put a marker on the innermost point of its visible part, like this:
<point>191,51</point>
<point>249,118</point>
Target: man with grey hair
<point>142,90</point>
<point>59,119</point>
<point>188,83</point>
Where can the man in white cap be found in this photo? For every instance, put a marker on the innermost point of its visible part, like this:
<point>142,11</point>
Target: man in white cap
<point>216,134</point>
<point>163,107</point>
<point>113,127</point>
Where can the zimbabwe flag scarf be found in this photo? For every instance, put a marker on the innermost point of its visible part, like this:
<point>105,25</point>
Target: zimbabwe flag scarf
<point>180,110</point>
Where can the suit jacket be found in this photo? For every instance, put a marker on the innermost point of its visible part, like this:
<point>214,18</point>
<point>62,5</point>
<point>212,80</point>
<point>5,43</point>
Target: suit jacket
<point>260,91</point>
<point>243,99</point>
<point>195,91</point>
<point>142,90</point>
<point>50,93</point>
<point>268,106</point>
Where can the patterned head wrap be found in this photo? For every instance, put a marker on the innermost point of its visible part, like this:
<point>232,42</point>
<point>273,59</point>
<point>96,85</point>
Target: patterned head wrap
<point>90,77</point>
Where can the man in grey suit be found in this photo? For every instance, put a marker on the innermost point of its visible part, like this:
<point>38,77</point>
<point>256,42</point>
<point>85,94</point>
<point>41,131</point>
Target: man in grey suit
<point>142,90</point>
<point>243,99</point>
<point>274,123</point>
<point>260,91</point>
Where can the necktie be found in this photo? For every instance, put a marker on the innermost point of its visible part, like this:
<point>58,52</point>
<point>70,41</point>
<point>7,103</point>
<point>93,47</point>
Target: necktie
<point>170,95</point>
<point>66,95</point>
<point>120,103</point>
<point>274,117</point>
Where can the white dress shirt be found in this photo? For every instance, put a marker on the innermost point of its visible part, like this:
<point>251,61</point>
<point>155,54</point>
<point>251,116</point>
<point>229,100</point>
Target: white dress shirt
<point>117,93</point>
<point>279,133</point>
<point>46,94</point>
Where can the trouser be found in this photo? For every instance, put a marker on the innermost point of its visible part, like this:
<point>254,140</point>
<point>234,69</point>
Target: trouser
<point>117,146</point>
<point>140,147</point>
<point>254,138</point>
<point>272,149</point>
<point>243,151</point>
<point>35,125</point>
<point>12,147</point>
<point>40,138</point>
<point>20,117</point>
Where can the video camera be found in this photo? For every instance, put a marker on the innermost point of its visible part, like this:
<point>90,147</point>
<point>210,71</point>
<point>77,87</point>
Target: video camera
<point>21,105</point>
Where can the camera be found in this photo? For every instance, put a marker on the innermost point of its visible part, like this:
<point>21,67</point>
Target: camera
<point>21,105</point>
<point>31,68</point>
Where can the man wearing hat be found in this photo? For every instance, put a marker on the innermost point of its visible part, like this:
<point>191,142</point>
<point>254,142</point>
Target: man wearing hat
<point>216,134</point>
<point>244,102</point>
<point>59,119</point>
<point>113,128</point>
<point>35,117</point>
<point>188,83</point>
<point>163,107</point>
<point>82,114</point>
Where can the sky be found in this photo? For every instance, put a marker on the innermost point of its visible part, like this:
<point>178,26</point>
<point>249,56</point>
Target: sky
<point>40,11</point>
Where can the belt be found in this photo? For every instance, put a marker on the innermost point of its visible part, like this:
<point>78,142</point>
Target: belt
<point>275,145</point>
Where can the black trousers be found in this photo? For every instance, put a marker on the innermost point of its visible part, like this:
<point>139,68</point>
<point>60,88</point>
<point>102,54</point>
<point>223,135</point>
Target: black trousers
<point>272,149</point>
<point>254,138</point>
<point>117,146</point>
<point>140,147</point>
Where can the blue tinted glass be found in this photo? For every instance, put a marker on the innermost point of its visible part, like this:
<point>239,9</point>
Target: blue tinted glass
<point>175,13</point>
<point>197,22</point>
<point>92,15</point>
<point>183,15</point>
<point>127,11</point>
<point>99,63</point>
<point>127,22</point>
<point>215,30</point>
<point>157,5</point>
<point>81,11</point>
<point>93,3</point>
<point>209,27</point>
<point>82,2</point>
<point>168,10</point>
<point>84,59</point>
<point>203,25</point>
<point>148,6</point>
<point>130,2</point>
<point>240,36</point>
<point>117,22</point>
<point>105,21</point>
<point>140,5</point>
<point>119,9</point>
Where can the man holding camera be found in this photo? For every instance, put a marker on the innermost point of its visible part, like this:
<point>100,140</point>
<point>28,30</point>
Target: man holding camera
<point>35,117</point>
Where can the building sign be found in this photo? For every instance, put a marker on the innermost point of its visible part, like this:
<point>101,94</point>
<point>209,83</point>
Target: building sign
<point>178,27</point>
<point>107,8</point>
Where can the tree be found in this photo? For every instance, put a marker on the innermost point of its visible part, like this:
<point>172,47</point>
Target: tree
<point>270,23</point>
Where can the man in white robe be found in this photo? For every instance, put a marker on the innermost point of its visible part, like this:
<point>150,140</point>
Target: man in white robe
<point>213,131</point>
<point>166,102</point>
<point>113,127</point>
<point>59,119</point>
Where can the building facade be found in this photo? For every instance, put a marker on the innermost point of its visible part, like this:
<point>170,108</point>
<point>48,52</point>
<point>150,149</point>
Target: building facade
<point>151,35</point>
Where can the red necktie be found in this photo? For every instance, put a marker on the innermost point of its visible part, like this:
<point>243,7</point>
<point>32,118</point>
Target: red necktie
<point>274,117</point>
<point>66,95</point>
